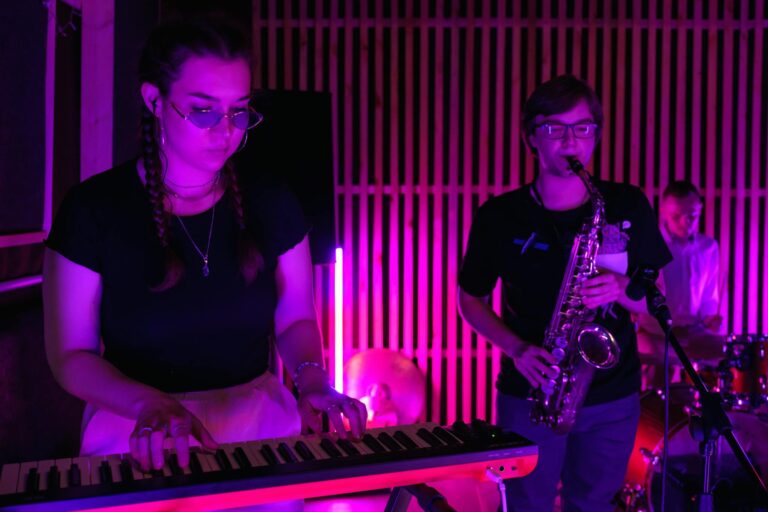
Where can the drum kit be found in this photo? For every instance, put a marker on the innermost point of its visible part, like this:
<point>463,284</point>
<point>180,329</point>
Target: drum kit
<point>740,377</point>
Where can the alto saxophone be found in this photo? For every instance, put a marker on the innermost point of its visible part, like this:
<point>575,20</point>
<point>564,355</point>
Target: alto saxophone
<point>578,345</point>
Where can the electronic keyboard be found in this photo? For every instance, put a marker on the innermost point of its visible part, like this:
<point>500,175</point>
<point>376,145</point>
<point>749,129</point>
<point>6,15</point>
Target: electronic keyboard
<point>264,471</point>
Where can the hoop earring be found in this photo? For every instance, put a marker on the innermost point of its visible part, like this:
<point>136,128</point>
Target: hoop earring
<point>242,143</point>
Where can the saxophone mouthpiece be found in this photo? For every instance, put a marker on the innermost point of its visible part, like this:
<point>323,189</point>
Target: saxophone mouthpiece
<point>575,165</point>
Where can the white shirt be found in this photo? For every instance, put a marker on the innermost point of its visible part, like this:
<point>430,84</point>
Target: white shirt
<point>692,280</point>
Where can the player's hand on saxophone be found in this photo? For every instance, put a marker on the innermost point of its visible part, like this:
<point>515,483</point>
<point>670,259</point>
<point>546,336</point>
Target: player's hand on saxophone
<point>534,363</point>
<point>603,288</point>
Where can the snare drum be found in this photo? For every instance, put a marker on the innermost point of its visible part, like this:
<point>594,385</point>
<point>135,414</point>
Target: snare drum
<point>732,488</point>
<point>745,356</point>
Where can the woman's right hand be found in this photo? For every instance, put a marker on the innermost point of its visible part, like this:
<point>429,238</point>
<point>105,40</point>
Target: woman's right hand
<point>162,417</point>
<point>534,363</point>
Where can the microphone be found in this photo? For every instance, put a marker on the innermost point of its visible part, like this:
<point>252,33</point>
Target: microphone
<point>643,284</point>
<point>639,281</point>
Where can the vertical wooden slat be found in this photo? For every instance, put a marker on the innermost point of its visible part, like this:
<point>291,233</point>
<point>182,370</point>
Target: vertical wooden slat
<point>617,172</point>
<point>592,65</point>
<point>650,114</point>
<point>378,173</point>
<point>711,123</point>
<point>562,44</point>
<point>423,277</point>
<point>466,191</point>
<point>545,63</point>
<point>320,51</point>
<point>408,157</point>
<point>698,83</point>
<point>681,144</point>
<point>303,49</point>
<point>272,44</point>
<point>741,285</point>
<point>726,144</point>
<point>578,30</point>
<point>351,260</point>
<point>395,234</point>
<point>515,135</point>
<point>756,321</point>
<point>257,25</point>
<point>636,89</point>
<point>365,263</point>
<point>288,45</point>
<point>664,117</point>
<point>606,73</point>
<point>530,73</point>
<point>453,382</point>
<point>438,255</point>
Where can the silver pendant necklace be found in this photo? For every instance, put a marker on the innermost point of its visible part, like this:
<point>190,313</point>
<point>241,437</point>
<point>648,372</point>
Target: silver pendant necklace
<point>204,255</point>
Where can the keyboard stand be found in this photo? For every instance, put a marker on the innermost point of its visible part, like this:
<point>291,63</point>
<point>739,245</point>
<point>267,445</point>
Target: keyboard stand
<point>429,499</point>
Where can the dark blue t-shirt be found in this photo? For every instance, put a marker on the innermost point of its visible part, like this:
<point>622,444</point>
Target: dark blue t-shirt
<point>204,333</point>
<point>513,238</point>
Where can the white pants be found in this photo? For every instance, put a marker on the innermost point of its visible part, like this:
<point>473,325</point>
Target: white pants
<point>260,409</point>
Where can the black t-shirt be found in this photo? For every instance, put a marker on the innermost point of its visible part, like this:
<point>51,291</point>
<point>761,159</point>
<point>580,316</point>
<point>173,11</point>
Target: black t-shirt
<point>204,333</point>
<point>517,240</point>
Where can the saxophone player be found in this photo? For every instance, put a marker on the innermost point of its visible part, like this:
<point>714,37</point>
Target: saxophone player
<point>524,239</point>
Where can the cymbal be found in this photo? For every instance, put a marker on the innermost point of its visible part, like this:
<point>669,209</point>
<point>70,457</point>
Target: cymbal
<point>387,382</point>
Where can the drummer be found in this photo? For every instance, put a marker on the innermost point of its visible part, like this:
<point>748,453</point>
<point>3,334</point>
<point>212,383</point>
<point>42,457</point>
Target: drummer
<point>692,282</point>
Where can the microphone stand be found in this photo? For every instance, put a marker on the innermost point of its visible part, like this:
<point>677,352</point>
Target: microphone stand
<point>713,421</point>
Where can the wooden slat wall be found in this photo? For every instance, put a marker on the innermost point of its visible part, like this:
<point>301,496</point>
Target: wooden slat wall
<point>427,98</point>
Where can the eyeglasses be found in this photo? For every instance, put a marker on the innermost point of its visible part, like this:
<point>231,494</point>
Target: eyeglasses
<point>557,131</point>
<point>206,119</point>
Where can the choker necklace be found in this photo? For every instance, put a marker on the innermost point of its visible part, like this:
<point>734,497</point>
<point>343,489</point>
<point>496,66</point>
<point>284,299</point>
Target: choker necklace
<point>213,182</point>
<point>204,256</point>
<point>215,179</point>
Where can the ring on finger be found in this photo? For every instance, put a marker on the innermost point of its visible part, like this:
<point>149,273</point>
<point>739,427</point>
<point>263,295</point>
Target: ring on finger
<point>178,428</point>
<point>146,429</point>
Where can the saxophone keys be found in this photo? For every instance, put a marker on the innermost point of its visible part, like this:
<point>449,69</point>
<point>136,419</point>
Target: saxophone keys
<point>558,354</point>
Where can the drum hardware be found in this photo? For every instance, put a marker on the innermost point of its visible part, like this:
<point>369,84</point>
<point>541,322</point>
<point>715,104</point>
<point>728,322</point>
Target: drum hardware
<point>714,422</point>
<point>732,488</point>
<point>746,364</point>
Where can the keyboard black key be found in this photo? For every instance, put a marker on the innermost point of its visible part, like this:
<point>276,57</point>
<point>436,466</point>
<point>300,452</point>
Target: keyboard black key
<point>126,472</point>
<point>348,447</point>
<point>194,463</point>
<point>173,464</point>
<point>156,473</point>
<point>286,453</point>
<point>462,431</point>
<point>269,455</point>
<point>105,472</point>
<point>54,478</point>
<point>73,476</point>
<point>406,441</point>
<point>389,442</point>
<point>429,437</point>
<point>372,443</point>
<point>303,450</point>
<point>32,484</point>
<point>329,448</point>
<point>223,460</point>
<point>241,458</point>
<point>445,436</point>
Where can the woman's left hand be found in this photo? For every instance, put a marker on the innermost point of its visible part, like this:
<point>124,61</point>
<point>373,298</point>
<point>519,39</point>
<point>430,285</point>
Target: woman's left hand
<point>313,402</point>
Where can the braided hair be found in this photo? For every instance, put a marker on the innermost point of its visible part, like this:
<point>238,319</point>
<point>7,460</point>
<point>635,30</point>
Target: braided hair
<point>168,48</point>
